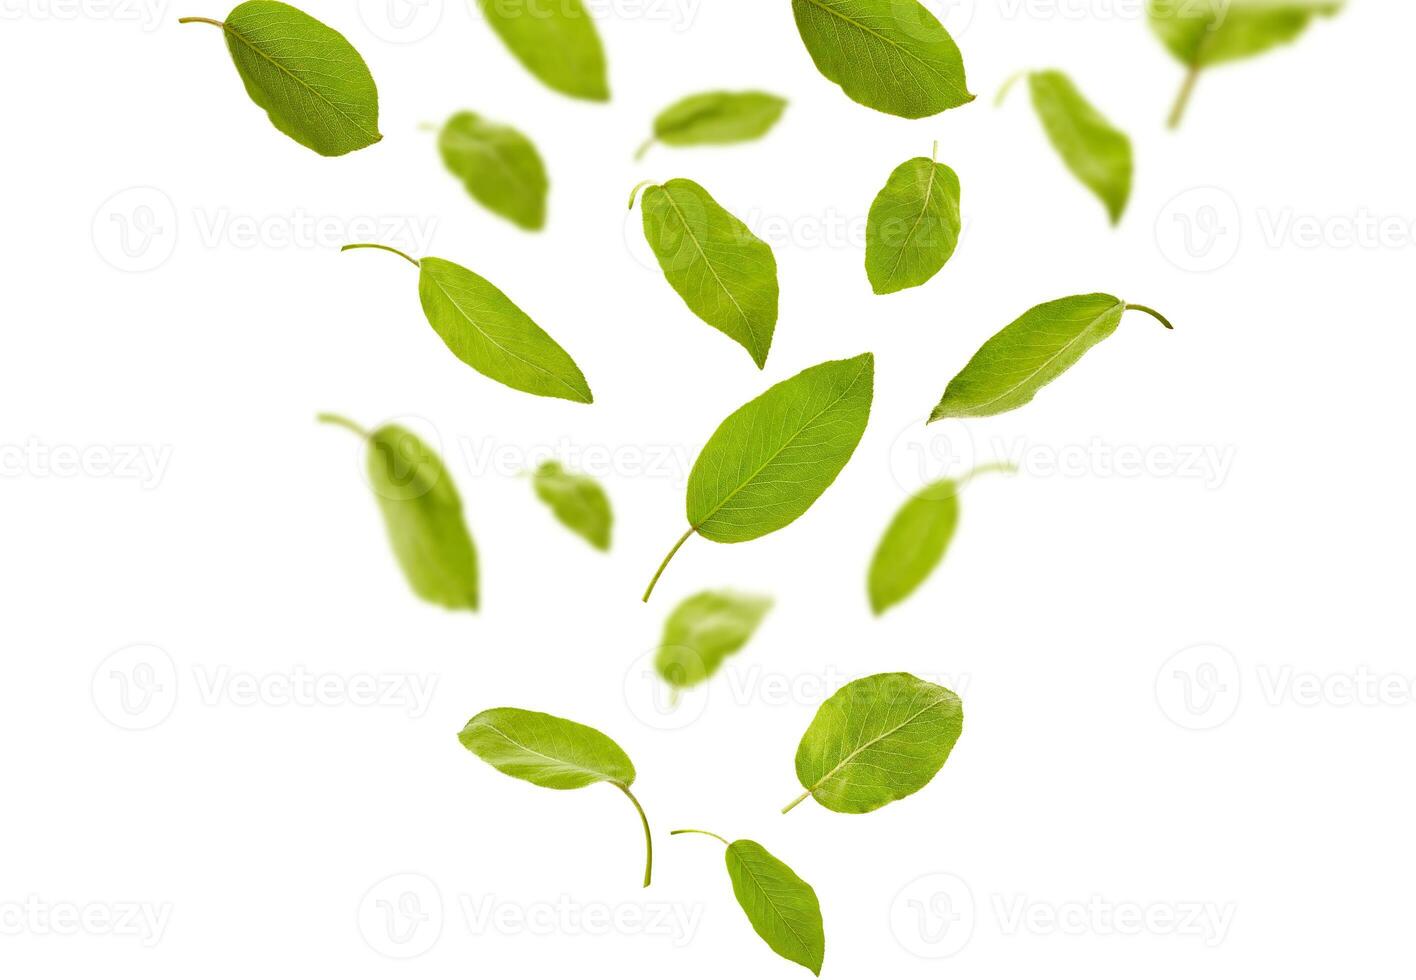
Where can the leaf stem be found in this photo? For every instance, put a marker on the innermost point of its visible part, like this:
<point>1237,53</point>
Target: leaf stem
<point>934,154</point>
<point>201,20</point>
<point>428,127</point>
<point>1177,114</point>
<point>635,193</point>
<point>386,248</point>
<point>706,833</point>
<point>1007,87</point>
<point>648,837</point>
<point>643,149</point>
<point>1146,309</point>
<point>329,418</point>
<point>665,564</point>
<point>793,804</point>
<point>987,468</point>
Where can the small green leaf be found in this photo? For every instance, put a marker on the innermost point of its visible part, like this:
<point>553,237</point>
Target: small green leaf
<point>704,631</point>
<point>877,740</point>
<point>890,55</point>
<point>725,274</point>
<point>557,42</point>
<point>771,459</point>
<point>577,501</point>
<point>554,753</point>
<point>423,514</point>
<point>913,227</point>
<point>310,81</point>
<point>781,907</point>
<point>490,333</point>
<point>1202,33</point>
<point>1030,352</point>
<point>1097,153</point>
<point>716,118</point>
<point>499,167</point>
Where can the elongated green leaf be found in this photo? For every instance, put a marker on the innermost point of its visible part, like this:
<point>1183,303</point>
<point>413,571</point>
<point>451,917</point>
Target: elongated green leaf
<point>556,41</point>
<point>877,740</point>
<point>578,502</point>
<point>1030,352</point>
<point>1097,153</point>
<point>1202,33</point>
<point>913,227</point>
<point>890,55</point>
<point>725,273</point>
<point>310,81</point>
<point>913,544</point>
<point>554,753</point>
<point>771,459</point>
<point>704,631</point>
<point>499,167</point>
<point>717,118</point>
<point>423,514</point>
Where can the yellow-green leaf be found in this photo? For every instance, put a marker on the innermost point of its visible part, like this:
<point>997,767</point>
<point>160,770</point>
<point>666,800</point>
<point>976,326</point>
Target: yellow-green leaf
<point>913,227</point>
<point>556,41</point>
<point>578,502</point>
<point>499,167</point>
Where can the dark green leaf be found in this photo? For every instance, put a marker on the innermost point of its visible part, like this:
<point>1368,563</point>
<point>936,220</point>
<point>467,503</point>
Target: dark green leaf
<point>577,501</point>
<point>1097,153</point>
<point>705,630</point>
<point>423,514</point>
<point>1030,352</point>
<point>555,41</point>
<point>725,273</point>
<point>877,740</point>
<point>499,167</point>
<point>890,55</point>
<point>717,118</point>
<point>310,81</point>
<point>913,227</point>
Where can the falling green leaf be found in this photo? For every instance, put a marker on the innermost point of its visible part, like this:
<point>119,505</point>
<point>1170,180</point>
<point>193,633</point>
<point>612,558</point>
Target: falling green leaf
<point>1030,352</point>
<point>914,543</point>
<point>310,81</point>
<point>771,459</point>
<point>1096,152</point>
<point>716,118</point>
<point>781,907</point>
<point>577,501</point>
<point>704,631</point>
<point>423,514</point>
<point>499,167</point>
<point>725,273</point>
<point>555,41</point>
<point>913,227</point>
<point>890,55</point>
<point>877,740</point>
<point>554,753</point>
<point>1202,33</point>
<point>489,332</point>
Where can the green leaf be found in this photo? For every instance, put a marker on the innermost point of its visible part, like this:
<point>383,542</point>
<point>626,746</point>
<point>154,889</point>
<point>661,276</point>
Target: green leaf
<point>554,753</point>
<point>890,55</point>
<point>1030,352</point>
<point>705,630</point>
<point>490,333</point>
<point>557,42</point>
<point>423,514</point>
<point>1097,153</point>
<point>913,544</point>
<point>771,459</point>
<point>577,501</point>
<point>913,227</point>
<point>1202,33</point>
<point>725,273</point>
<point>877,740</point>
<point>716,118</point>
<point>310,81</point>
<point>781,907</point>
<point>499,167</point>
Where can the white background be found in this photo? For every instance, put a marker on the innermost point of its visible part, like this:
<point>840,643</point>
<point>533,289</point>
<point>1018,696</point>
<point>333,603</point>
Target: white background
<point>1085,787</point>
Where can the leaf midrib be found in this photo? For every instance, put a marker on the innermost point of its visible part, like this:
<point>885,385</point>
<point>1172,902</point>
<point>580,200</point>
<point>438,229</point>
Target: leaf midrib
<point>881,737</point>
<point>819,5</point>
<point>550,758</point>
<point>766,897</point>
<point>928,196</point>
<point>1043,366</point>
<point>747,321</point>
